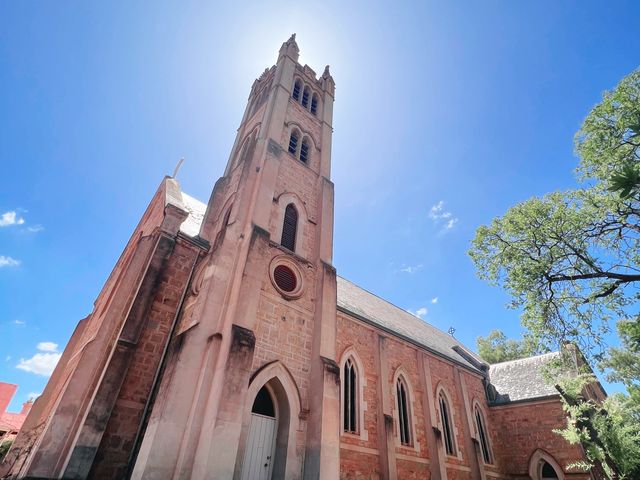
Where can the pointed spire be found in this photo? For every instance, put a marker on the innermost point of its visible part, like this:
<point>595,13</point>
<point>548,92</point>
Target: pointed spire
<point>327,81</point>
<point>290,48</point>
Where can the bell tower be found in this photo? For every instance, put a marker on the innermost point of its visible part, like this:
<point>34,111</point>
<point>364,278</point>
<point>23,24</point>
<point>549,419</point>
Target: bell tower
<point>259,321</point>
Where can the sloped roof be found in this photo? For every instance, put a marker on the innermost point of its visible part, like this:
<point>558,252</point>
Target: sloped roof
<point>12,422</point>
<point>369,307</point>
<point>196,209</point>
<point>395,320</point>
<point>522,379</point>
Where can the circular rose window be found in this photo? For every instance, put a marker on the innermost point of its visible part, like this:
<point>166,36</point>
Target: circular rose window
<point>285,278</point>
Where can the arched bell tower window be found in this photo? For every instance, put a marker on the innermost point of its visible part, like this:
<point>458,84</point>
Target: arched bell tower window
<point>293,142</point>
<point>305,97</point>
<point>314,104</point>
<point>350,394</point>
<point>304,150</point>
<point>482,435</point>
<point>297,88</point>
<point>404,419</point>
<point>290,227</point>
<point>547,472</point>
<point>447,425</point>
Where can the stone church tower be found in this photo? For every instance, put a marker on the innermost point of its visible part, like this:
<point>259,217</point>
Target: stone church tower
<point>204,303</point>
<point>263,300</point>
<point>224,346</point>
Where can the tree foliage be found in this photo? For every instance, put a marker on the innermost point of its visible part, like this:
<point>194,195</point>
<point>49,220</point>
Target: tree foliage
<point>571,259</point>
<point>496,348</point>
<point>571,262</point>
<point>609,431</point>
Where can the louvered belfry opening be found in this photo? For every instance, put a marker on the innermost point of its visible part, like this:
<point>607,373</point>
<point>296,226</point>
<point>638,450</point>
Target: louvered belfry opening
<point>289,227</point>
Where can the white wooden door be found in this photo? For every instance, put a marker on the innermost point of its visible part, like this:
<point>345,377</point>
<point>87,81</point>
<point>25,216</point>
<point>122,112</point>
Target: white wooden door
<point>260,448</point>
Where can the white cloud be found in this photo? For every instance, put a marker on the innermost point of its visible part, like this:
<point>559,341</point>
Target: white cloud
<point>8,262</point>
<point>47,347</point>
<point>420,313</point>
<point>33,395</point>
<point>442,217</point>
<point>434,300</point>
<point>7,358</point>
<point>35,228</point>
<point>411,268</point>
<point>40,364</point>
<point>10,218</point>
<point>19,322</point>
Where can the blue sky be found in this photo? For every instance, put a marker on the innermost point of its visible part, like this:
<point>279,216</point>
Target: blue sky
<point>446,113</point>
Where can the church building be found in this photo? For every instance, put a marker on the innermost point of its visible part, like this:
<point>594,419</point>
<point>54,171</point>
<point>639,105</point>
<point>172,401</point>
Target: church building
<point>224,345</point>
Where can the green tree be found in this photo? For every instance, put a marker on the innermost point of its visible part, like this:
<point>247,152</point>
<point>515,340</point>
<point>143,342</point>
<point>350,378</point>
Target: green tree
<point>496,348</point>
<point>571,259</point>
<point>609,431</point>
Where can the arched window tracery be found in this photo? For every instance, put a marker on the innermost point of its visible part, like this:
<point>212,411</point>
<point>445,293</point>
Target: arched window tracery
<point>404,413</point>
<point>350,397</point>
<point>447,425</point>
<point>483,438</point>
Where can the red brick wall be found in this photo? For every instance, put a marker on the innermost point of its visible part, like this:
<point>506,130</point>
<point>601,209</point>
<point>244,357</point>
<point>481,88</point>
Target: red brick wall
<point>515,431</point>
<point>117,441</point>
<point>525,427</point>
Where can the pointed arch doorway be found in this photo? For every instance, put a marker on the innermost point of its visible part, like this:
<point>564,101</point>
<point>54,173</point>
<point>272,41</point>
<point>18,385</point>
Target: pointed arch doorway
<point>286,460</point>
<point>259,455</point>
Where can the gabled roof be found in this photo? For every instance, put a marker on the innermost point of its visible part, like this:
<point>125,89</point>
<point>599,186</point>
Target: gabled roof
<point>520,380</point>
<point>382,314</point>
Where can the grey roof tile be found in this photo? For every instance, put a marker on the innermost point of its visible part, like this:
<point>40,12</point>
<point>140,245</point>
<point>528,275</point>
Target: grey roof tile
<point>387,316</point>
<point>522,379</point>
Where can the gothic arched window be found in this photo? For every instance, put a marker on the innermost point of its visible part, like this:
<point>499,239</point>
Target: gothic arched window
<point>293,142</point>
<point>297,87</point>
<point>547,472</point>
<point>304,150</point>
<point>289,227</point>
<point>447,425</point>
<point>305,97</point>
<point>314,104</point>
<point>404,419</point>
<point>482,436</point>
<point>350,394</point>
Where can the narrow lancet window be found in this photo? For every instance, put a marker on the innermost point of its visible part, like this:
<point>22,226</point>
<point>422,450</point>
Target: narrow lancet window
<point>297,87</point>
<point>314,104</point>
<point>447,426</point>
<point>482,437</point>
<point>293,142</point>
<point>403,412</point>
<point>350,397</point>
<point>304,150</point>
<point>305,97</point>
<point>289,227</point>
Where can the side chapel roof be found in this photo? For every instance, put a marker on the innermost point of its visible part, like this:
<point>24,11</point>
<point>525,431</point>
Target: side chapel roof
<point>519,380</point>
